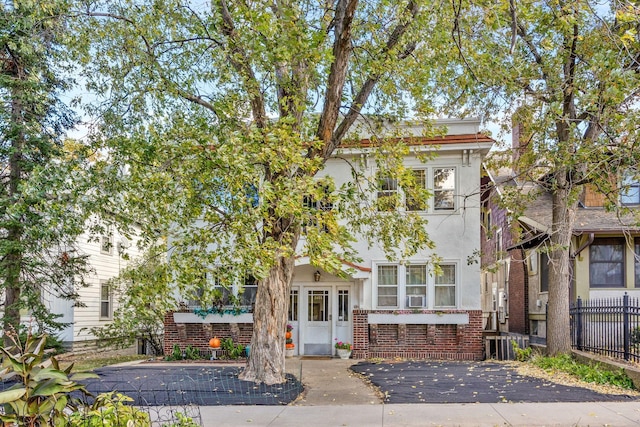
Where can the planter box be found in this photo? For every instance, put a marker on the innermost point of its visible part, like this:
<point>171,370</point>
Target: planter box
<point>212,318</point>
<point>418,318</point>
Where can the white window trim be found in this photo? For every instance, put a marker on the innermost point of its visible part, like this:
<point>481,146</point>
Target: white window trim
<point>430,186</point>
<point>110,301</point>
<point>106,239</point>
<point>402,286</point>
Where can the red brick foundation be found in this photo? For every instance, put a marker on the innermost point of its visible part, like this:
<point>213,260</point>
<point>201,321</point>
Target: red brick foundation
<point>413,341</point>
<point>407,341</point>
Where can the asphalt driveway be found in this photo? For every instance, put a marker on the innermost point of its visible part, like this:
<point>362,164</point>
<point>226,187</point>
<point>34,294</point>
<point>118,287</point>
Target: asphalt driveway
<point>402,382</point>
<point>469,382</point>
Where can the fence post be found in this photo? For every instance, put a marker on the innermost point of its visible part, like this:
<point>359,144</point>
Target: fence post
<point>579,323</point>
<point>625,325</point>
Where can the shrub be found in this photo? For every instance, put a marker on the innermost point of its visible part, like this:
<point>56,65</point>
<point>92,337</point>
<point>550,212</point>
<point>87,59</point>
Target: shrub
<point>109,409</point>
<point>521,354</point>
<point>232,350</point>
<point>42,393</point>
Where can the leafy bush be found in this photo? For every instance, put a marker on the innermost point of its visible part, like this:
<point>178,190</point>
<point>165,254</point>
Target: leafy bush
<point>593,373</point>
<point>232,350</point>
<point>42,394</point>
<point>176,354</point>
<point>191,353</point>
<point>109,409</point>
<point>521,354</point>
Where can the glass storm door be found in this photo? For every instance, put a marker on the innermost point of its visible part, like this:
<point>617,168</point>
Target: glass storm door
<point>317,339</point>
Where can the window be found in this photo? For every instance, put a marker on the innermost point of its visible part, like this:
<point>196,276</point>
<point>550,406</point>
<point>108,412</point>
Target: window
<point>606,263</point>
<point>223,295</point>
<point>343,305</point>
<point>106,242</point>
<point>413,200</point>
<point>544,272</point>
<point>445,287</point>
<point>637,262</point>
<point>416,285</point>
<point>249,290</point>
<point>388,196</point>
<point>106,302</point>
<point>318,303</point>
<point>630,194</point>
<point>293,306</point>
<point>444,186</point>
<point>387,286</point>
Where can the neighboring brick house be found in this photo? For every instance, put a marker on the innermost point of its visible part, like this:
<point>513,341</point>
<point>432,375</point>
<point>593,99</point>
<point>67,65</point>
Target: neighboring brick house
<point>387,308</point>
<point>605,254</point>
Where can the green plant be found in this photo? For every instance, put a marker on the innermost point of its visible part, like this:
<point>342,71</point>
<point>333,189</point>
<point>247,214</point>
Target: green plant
<point>593,373</point>
<point>42,394</point>
<point>635,335</point>
<point>109,409</point>
<point>343,345</point>
<point>183,421</point>
<point>521,354</point>
<point>191,353</point>
<point>232,350</point>
<point>176,354</point>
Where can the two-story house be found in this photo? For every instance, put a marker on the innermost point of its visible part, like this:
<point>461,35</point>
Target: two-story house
<point>387,307</point>
<point>605,253</point>
<point>107,256</point>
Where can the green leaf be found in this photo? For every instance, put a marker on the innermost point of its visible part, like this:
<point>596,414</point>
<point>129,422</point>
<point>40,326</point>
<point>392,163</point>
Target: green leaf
<point>11,395</point>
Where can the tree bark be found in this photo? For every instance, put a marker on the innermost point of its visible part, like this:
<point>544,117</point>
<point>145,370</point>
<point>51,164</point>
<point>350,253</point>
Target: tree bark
<point>267,362</point>
<point>563,218</point>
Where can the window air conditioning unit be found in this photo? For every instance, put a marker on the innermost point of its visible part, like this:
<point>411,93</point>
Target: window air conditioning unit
<point>416,301</point>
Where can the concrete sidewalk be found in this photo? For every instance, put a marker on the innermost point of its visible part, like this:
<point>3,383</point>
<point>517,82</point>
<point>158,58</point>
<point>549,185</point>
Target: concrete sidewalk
<point>613,414</point>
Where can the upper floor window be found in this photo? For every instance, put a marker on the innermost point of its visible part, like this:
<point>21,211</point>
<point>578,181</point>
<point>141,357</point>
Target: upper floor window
<point>442,182</point>
<point>444,186</point>
<point>630,194</point>
<point>388,195</point>
<point>606,263</point>
<point>106,242</point>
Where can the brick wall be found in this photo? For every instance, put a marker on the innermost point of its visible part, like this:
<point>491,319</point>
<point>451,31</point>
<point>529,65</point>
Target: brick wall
<point>199,334</point>
<point>459,342</point>
<point>410,341</point>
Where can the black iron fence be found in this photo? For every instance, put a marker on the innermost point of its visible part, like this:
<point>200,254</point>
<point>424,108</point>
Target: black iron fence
<point>608,326</point>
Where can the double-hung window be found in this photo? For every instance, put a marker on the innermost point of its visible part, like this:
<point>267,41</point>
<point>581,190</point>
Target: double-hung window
<point>413,199</point>
<point>388,195</point>
<point>106,301</point>
<point>444,187</point>
<point>410,286</point>
<point>606,263</point>
<point>249,291</point>
<point>387,286</point>
<point>630,194</point>
<point>416,285</point>
<point>440,181</point>
<point>445,286</point>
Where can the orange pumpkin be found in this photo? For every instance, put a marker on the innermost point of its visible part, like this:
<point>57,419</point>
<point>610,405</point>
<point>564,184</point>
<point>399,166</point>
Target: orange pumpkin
<point>214,342</point>
<point>287,335</point>
<point>290,345</point>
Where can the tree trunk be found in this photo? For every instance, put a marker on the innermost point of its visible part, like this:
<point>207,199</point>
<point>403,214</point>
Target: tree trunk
<point>563,217</point>
<point>266,364</point>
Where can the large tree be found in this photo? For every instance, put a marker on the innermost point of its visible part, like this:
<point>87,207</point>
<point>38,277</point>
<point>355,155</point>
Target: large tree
<point>568,73</point>
<point>222,116</point>
<point>39,220</point>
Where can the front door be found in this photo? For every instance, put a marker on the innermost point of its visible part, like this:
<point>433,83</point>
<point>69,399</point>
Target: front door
<point>317,333</point>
